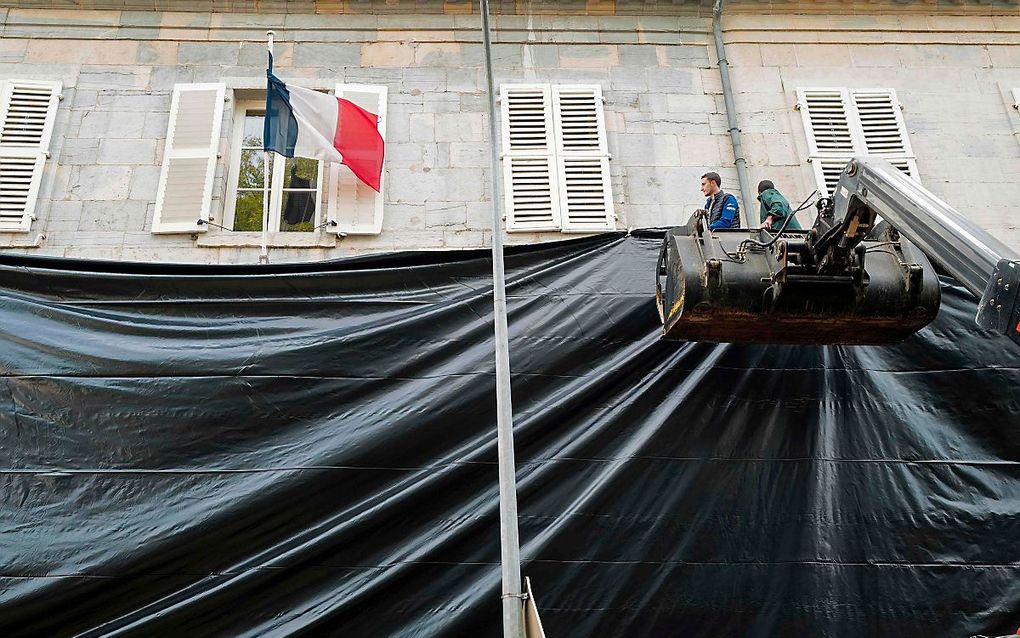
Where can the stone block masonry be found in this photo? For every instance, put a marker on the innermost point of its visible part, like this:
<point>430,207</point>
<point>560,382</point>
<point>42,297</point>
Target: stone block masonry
<point>663,106</point>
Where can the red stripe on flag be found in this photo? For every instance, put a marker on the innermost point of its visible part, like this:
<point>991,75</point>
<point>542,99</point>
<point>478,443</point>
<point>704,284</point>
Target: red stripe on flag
<point>358,140</point>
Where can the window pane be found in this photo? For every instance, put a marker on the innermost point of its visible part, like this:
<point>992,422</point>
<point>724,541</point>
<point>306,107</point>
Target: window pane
<point>251,172</point>
<point>248,211</point>
<point>298,213</point>
<point>253,123</point>
<point>301,172</point>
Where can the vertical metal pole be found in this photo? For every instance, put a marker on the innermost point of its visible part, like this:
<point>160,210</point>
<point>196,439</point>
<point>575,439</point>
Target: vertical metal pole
<point>264,255</point>
<point>510,550</point>
<point>731,118</point>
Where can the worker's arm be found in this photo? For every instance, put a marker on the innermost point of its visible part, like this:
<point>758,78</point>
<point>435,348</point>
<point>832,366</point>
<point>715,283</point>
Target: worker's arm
<point>729,213</point>
<point>775,210</point>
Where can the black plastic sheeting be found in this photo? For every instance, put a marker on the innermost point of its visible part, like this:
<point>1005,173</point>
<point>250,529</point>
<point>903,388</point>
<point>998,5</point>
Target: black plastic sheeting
<point>310,450</point>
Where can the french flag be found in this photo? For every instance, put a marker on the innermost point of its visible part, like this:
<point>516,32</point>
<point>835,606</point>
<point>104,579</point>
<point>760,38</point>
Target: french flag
<point>305,123</point>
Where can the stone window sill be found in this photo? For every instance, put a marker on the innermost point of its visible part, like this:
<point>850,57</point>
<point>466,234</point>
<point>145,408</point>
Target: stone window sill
<point>273,240</point>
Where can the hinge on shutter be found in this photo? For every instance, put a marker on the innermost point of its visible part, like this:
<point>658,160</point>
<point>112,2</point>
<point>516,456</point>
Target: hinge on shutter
<point>798,106</point>
<point>60,97</point>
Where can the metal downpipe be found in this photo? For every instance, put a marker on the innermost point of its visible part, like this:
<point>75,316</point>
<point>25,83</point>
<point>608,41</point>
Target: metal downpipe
<point>731,119</point>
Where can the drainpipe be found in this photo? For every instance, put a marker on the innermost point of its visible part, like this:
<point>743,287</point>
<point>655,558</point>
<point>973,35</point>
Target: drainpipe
<point>731,118</point>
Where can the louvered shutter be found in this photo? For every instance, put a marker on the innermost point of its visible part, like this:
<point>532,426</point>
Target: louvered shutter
<point>28,110</point>
<point>826,114</point>
<point>827,172</point>
<point>841,123</point>
<point>582,159</point>
<point>356,208</point>
<point>184,194</point>
<point>882,129</point>
<point>529,164</point>
<point>827,123</point>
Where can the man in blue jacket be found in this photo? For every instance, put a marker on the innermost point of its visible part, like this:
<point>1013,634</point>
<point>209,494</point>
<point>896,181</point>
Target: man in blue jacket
<point>723,211</point>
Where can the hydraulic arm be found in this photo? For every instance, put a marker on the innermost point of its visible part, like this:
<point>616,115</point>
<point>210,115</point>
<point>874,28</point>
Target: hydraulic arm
<point>981,263</point>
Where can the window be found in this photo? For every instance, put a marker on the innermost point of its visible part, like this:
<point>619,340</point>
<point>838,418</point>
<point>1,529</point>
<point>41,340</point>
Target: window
<point>841,123</point>
<point>295,183</point>
<point>555,158</point>
<point>28,111</point>
<point>299,196</point>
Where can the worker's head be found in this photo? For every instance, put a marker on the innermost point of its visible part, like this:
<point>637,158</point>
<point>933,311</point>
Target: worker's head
<point>765,185</point>
<point>710,183</point>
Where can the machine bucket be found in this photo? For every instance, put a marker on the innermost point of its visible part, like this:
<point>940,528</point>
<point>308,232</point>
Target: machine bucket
<point>707,290</point>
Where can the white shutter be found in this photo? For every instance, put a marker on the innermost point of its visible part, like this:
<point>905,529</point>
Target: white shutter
<point>881,122</point>
<point>28,110</point>
<point>529,164</point>
<point>882,129</point>
<point>827,172</point>
<point>356,208</point>
<point>582,159</point>
<point>841,123</point>
<point>826,114</point>
<point>184,194</point>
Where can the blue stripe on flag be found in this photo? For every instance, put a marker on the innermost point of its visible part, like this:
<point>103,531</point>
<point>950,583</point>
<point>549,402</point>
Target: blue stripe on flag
<point>280,131</point>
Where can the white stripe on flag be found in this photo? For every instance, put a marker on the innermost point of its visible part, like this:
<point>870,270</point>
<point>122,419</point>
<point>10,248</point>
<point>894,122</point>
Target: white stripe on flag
<point>316,115</point>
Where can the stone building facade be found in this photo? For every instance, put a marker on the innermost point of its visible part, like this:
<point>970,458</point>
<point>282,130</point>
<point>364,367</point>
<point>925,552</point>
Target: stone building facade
<point>950,70</point>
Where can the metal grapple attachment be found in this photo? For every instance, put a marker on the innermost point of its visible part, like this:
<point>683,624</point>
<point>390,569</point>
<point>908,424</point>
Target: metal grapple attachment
<point>832,284</point>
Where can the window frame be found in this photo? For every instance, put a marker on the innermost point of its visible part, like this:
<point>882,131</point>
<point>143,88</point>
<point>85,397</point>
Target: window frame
<point>240,110</point>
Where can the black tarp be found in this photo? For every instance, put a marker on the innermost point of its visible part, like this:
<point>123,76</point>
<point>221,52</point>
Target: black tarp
<point>310,450</point>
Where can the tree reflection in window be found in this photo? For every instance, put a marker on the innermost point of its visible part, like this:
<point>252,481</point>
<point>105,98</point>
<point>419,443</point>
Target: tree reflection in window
<point>300,181</point>
<point>297,197</point>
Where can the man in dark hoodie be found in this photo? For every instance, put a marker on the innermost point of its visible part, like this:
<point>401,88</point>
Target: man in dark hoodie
<point>774,208</point>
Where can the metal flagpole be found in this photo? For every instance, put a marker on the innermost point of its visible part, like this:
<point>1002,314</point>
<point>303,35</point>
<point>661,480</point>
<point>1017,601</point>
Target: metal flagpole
<point>264,255</point>
<point>510,550</point>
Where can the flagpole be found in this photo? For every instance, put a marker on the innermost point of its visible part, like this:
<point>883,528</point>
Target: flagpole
<point>510,550</point>
<point>264,255</point>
